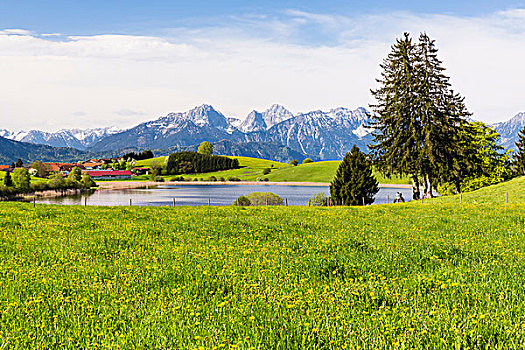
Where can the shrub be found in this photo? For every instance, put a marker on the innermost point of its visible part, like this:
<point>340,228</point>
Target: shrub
<point>307,160</point>
<point>319,200</point>
<point>264,198</point>
<point>266,171</point>
<point>265,179</point>
<point>177,178</point>
<point>242,201</point>
<point>221,179</point>
<point>234,179</point>
<point>294,162</point>
<point>158,179</point>
<point>213,179</point>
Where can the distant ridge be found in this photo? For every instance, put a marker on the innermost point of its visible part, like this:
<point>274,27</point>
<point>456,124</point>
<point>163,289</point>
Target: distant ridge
<point>322,135</point>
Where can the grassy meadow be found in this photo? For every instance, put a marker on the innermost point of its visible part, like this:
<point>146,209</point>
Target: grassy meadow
<point>252,170</point>
<point>437,275</point>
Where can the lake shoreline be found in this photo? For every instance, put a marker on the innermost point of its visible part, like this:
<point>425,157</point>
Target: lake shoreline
<point>120,185</point>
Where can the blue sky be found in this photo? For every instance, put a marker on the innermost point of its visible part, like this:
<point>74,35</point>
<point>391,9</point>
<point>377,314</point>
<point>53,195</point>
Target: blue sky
<point>67,64</point>
<point>131,16</point>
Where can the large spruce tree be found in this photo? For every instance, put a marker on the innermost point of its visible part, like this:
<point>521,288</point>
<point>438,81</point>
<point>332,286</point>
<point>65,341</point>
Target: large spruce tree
<point>354,182</point>
<point>419,119</point>
<point>519,162</point>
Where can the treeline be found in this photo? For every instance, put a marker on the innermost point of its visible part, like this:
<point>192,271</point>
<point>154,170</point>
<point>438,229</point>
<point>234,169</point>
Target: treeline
<point>193,162</point>
<point>19,183</point>
<point>138,156</point>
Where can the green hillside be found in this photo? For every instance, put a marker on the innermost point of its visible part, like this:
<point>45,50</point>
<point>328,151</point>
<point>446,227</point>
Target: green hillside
<point>404,276</point>
<point>495,194</point>
<point>252,170</point>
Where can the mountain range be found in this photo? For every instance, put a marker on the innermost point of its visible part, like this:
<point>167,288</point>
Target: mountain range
<point>273,133</point>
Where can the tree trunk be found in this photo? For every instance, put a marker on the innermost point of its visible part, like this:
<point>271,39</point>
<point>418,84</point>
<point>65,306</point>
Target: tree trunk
<point>415,187</point>
<point>425,182</point>
<point>428,191</point>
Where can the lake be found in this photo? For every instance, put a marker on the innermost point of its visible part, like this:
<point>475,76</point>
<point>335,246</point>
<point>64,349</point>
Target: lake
<point>200,194</point>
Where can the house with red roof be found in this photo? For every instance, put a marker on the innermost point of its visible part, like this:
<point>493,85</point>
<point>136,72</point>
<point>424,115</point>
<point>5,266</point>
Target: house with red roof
<point>109,174</point>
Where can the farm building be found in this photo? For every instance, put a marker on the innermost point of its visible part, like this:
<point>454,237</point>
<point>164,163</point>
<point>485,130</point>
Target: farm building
<point>109,174</point>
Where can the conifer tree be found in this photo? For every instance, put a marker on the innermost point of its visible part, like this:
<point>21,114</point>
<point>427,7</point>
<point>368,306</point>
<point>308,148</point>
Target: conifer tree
<point>8,182</point>
<point>520,155</point>
<point>354,182</point>
<point>418,118</point>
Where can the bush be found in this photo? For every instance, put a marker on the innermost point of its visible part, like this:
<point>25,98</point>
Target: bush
<point>264,198</point>
<point>242,201</point>
<point>265,179</point>
<point>221,179</point>
<point>294,162</point>
<point>266,171</point>
<point>195,179</point>
<point>307,160</point>
<point>158,179</point>
<point>234,179</point>
<point>319,200</point>
<point>177,178</point>
<point>212,178</point>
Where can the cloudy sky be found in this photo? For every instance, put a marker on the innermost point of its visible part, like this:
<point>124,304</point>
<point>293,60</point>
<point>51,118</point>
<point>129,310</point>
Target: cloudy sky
<point>67,64</point>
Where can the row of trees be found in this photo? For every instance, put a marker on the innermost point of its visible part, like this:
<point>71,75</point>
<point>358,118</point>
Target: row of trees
<point>194,162</point>
<point>20,182</point>
<point>421,129</point>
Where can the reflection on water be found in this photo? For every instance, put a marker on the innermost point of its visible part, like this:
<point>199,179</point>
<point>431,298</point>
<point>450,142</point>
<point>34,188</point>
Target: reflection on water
<point>201,194</point>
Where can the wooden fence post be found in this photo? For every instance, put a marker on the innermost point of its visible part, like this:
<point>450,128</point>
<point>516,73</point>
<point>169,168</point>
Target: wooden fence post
<point>34,201</point>
<point>387,199</point>
<point>461,198</point>
<point>173,202</point>
<point>85,202</point>
<point>286,202</point>
<point>506,198</point>
<point>209,202</point>
<point>363,201</point>
<point>130,204</point>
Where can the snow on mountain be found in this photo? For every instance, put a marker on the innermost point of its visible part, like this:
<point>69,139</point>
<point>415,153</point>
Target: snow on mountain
<point>254,122</point>
<point>74,138</point>
<point>275,115</point>
<point>509,129</point>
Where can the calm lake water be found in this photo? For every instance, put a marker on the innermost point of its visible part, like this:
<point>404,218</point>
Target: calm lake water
<point>199,194</point>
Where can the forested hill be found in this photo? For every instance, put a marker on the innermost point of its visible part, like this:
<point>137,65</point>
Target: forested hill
<point>11,150</point>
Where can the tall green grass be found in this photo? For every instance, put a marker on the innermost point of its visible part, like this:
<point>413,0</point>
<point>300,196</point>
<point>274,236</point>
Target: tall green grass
<point>432,276</point>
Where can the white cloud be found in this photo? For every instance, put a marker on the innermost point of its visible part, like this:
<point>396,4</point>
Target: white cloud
<point>302,60</point>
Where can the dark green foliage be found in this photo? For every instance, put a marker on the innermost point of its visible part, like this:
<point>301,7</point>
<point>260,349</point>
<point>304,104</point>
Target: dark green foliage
<point>484,164</point>
<point>319,200</point>
<point>40,168</point>
<point>264,198</point>
<point>519,162</point>
<point>307,160</point>
<point>205,148</point>
<point>242,201</point>
<point>75,175</point>
<point>87,181</point>
<point>193,162</point>
<point>234,179</point>
<point>138,156</point>
<point>419,119</point>
<point>19,163</point>
<point>354,182</point>
<point>294,162</point>
<point>266,171</point>
<point>8,182</point>
<point>21,179</point>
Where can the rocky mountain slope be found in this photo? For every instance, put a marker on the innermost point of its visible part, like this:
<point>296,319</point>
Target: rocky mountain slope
<point>509,129</point>
<point>324,135</point>
<point>11,150</point>
<point>73,138</point>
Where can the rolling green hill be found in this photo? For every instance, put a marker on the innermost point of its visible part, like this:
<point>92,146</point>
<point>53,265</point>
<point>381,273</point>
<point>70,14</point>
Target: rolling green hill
<point>252,170</point>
